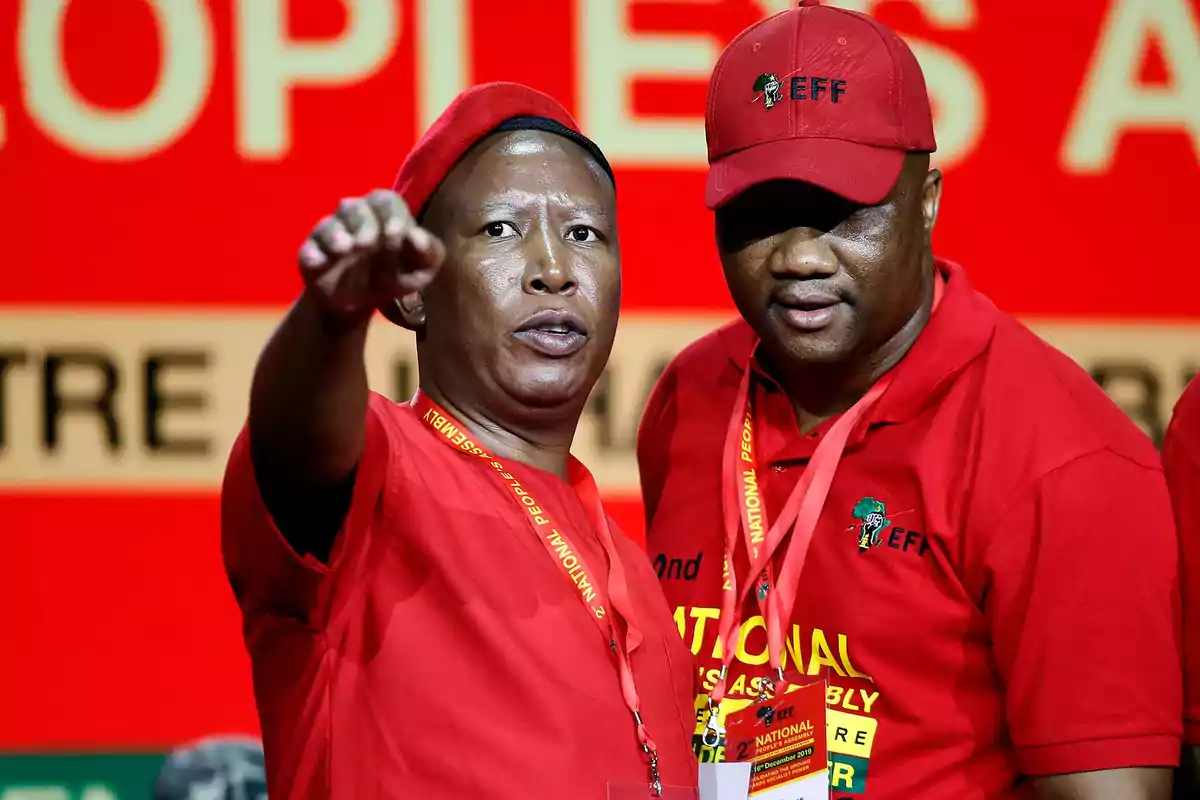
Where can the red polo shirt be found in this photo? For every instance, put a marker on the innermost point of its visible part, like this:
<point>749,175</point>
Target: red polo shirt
<point>1181,457</point>
<point>1017,615</point>
<point>443,653</point>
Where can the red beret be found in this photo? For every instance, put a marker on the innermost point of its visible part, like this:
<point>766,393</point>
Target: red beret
<point>471,115</point>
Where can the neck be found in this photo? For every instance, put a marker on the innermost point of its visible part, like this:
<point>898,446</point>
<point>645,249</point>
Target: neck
<point>545,445</point>
<point>821,391</point>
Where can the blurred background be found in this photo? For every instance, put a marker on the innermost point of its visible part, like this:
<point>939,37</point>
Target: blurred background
<point>162,160</point>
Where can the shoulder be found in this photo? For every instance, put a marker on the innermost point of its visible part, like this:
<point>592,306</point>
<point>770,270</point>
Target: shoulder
<point>1182,441</point>
<point>695,391</point>
<point>701,373</point>
<point>402,431</point>
<point>1181,445</point>
<point>396,418</point>
<point>726,348</point>
<point>1188,406</point>
<point>1049,406</point>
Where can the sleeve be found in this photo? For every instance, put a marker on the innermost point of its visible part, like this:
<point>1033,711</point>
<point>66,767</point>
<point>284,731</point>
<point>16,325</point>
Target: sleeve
<point>1182,462</point>
<point>267,575</point>
<point>1083,606</point>
<point>658,417</point>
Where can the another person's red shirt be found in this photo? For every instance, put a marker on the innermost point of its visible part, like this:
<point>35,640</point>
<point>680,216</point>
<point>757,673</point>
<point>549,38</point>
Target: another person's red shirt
<point>442,653</point>
<point>1017,616</point>
<point>1181,457</point>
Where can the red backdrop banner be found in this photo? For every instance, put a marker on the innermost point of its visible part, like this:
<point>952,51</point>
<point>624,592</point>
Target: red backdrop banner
<point>162,160</point>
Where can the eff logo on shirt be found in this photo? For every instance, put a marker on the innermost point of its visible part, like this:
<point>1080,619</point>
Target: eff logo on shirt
<point>874,527</point>
<point>872,516</point>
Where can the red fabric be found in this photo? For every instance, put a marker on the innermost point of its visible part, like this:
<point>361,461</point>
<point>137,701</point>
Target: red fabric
<point>870,106</point>
<point>1018,615</point>
<point>1181,457</point>
<point>471,115</point>
<point>442,654</point>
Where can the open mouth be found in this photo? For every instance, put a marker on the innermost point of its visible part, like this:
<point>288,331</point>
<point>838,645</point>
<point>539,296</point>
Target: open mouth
<point>556,333</point>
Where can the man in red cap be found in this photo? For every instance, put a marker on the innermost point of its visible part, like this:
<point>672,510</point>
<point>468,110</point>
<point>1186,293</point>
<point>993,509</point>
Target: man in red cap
<point>435,604</point>
<point>887,482</point>
<point>1181,458</point>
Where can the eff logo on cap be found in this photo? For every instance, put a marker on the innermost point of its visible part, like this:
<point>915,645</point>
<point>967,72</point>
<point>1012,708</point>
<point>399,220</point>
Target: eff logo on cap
<point>802,87</point>
<point>768,85</point>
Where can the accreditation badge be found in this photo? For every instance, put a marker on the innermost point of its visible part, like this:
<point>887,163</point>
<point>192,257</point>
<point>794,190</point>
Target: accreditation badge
<point>783,739</point>
<point>724,780</point>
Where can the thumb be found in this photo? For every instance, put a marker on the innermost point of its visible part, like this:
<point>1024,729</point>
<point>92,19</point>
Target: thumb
<point>420,259</point>
<point>428,249</point>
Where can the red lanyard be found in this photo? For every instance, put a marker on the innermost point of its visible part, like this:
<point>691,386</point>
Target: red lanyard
<point>745,508</point>
<point>742,497</point>
<point>557,541</point>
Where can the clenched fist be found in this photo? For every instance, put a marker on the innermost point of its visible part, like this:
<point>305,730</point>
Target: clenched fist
<point>370,253</point>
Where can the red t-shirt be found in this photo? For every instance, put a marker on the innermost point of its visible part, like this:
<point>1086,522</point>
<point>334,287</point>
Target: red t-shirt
<point>1181,457</point>
<point>442,653</point>
<point>1018,613</point>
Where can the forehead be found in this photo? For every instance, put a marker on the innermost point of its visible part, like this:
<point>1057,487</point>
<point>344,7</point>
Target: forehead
<point>523,165</point>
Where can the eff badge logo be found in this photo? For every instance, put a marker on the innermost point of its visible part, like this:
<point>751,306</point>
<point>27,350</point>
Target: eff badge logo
<point>872,517</point>
<point>768,84</point>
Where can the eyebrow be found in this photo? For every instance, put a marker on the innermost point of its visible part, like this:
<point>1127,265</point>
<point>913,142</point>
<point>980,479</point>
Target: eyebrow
<point>505,206</point>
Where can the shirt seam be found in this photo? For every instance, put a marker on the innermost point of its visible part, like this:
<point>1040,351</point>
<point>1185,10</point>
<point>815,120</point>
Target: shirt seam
<point>1097,740</point>
<point>1034,484</point>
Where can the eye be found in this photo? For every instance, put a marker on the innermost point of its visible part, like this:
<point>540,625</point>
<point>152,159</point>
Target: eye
<point>583,234</point>
<point>497,230</point>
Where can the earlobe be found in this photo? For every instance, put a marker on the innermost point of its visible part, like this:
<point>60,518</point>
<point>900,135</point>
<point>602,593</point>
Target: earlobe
<point>407,312</point>
<point>931,198</point>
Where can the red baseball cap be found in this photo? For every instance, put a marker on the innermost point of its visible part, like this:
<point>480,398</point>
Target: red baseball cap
<point>815,94</point>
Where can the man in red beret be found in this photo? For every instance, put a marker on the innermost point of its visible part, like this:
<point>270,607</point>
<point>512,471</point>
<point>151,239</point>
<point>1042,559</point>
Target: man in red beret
<point>1181,459</point>
<point>917,498</point>
<point>435,604</point>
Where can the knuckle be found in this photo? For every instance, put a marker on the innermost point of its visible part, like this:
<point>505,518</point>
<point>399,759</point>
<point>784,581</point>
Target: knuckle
<point>349,205</point>
<point>326,225</point>
<point>384,197</point>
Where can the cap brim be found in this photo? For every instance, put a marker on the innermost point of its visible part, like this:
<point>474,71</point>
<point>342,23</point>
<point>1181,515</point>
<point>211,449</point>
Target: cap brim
<point>858,172</point>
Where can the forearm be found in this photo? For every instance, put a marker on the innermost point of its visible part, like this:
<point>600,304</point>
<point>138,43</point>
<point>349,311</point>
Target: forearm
<point>1139,783</point>
<point>308,402</point>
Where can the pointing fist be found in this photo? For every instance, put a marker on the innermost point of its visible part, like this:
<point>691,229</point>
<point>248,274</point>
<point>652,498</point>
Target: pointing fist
<point>369,253</point>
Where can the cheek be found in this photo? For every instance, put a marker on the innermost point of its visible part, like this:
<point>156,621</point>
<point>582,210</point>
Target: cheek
<point>866,245</point>
<point>607,281</point>
<point>487,286</point>
<point>885,261</point>
<point>470,300</point>
<point>599,283</point>
<point>744,270</point>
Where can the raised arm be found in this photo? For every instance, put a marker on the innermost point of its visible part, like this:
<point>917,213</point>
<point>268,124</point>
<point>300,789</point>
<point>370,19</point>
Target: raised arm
<point>308,403</point>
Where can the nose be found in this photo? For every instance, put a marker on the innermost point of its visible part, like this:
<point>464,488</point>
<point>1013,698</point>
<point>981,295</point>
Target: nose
<point>549,269</point>
<point>802,253</point>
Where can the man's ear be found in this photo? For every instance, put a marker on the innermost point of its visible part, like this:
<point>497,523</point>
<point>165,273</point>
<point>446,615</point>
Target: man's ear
<point>407,311</point>
<point>931,198</point>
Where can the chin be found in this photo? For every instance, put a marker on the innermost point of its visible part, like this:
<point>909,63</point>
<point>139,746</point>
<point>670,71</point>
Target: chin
<point>826,347</point>
<point>550,386</point>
